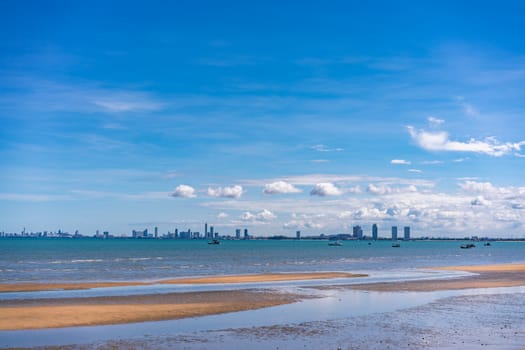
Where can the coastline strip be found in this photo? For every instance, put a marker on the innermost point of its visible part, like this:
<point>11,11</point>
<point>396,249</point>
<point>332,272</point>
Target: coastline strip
<point>254,278</point>
<point>487,276</point>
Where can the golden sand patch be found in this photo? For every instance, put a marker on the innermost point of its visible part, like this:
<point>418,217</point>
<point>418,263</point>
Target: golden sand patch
<point>270,277</point>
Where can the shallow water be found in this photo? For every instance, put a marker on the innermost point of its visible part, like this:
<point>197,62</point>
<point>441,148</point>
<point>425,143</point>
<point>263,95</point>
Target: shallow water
<point>332,305</point>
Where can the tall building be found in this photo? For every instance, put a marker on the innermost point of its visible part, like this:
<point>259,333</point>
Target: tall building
<point>238,233</point>
<point>407,233</point>
<point>358,232</point>
<point>394,233</point>
<point>156,232</point>
<point>206,230</point>
<point>374,232</point>
<point>298,234</point>
<point>211,233</point>
<point>246,234</point>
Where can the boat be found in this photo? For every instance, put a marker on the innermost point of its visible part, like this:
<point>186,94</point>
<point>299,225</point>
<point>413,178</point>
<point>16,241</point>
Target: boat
<point>467,246</point>
<point>215,241</point>
<point>335,244</point>
<point>487,244</point>
<point>396,245</point>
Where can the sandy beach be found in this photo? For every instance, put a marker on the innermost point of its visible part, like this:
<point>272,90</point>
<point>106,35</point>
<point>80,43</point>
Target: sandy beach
<point>67,312</point>
<point>53,313</point>
<point>487,276</point>
<point>255,278</point>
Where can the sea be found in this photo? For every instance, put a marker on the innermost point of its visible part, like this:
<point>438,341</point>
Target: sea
<point>83,260</point>
<point>338,318</point>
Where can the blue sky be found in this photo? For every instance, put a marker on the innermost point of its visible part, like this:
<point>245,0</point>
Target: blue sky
<point>276,117</point>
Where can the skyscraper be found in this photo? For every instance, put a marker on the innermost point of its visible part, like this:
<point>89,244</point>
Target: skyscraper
<point>246,234</point>
<point>358,232</point>
<point>206,230</point>
<point>374,232</point>
<point>394,233</point>
<point>298,234</point>
<point>238,233</point>
<point>407,233</point>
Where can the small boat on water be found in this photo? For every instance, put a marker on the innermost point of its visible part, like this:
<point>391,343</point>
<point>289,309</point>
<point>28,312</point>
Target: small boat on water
<point>487,244</point>
<point>396,245</point>
<point>335,244</point>
<point>215,241</point>
<point>467,246</point>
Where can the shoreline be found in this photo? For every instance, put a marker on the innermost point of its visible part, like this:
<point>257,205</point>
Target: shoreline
<point>67,312</point>
<point>486,276</point>
<point>233,279</point>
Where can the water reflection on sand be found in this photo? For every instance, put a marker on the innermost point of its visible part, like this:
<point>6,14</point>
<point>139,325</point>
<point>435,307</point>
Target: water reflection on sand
<point>333,305</point>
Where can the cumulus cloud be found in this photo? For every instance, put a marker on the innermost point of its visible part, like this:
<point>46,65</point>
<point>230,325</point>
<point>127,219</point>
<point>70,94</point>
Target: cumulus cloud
<point>400,162</point>
<point>299,224</point>
<point>417,171</point>
<point>479,200</point>
<point>439,141</point>
<point>481,187</point>
<point>382,189</point>
<point>264,215</point>
<point>184,191</point>
<point>222,215</point>
<point>280,187</point>
<point>324,189</point>
<point>226,192</point>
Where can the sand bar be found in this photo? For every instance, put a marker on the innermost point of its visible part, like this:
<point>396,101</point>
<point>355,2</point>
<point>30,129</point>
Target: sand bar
<point>51,313</point>
<point>255,278</point>
<point>68,312</point>
<point>487,276</point>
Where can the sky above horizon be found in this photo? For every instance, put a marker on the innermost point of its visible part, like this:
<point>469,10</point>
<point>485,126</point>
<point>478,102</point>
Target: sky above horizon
<point>271,116</point>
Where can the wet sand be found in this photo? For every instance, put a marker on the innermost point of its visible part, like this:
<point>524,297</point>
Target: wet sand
<point>68,312</point>
<point>487,276</point>
<point>52,313</point>
<point>256,278</point>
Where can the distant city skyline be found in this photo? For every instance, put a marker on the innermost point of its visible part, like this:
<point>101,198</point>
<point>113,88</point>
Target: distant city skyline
<point>275,117</point>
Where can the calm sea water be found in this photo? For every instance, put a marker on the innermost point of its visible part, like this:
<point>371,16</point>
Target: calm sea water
<point>40,260</point>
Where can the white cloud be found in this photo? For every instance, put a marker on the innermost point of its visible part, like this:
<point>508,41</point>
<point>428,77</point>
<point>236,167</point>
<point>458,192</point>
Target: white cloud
<point>222,215</point>
<point>479,200</point>
<point>264,215</point>
<point>432,162</point>
<point>126,102</point>
<point>300,224</point>
<point>184,191</point>
<point>400,162</point>
<point>439,141</point>
<point>226,192</point>
<point>480,187</point>
<point>324,148</point>
<point>417,171</point>
<point>325,189</point>
<point>433,121</point>
<point>383,189</point>
<point>280,187</point>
